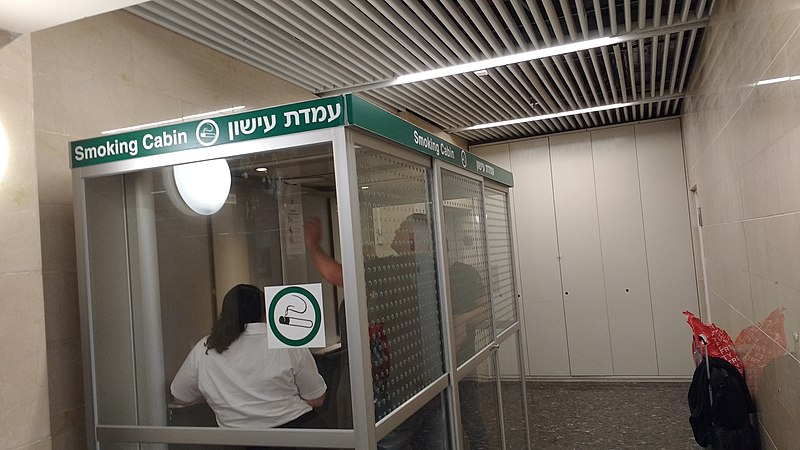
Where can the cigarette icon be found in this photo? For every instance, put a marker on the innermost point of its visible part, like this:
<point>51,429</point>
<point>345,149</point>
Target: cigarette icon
<point>294,320</point>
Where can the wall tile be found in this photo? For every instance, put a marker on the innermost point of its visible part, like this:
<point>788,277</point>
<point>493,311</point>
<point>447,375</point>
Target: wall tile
<point>15,72</point>
<point>768,296</point>
<point>766,440</point>
<point>721,202</point>
<point>759,137</point>
<point>62,316</point>
<point>58,242</point>
<point>730,285</point>
<point>64,364</point>
<point>760,185</point>
<point>725,316</point>
<point>24,369</point>
<point>788,377</point>
<point>18,178</point>
<point>54,175</point>
<point>42,444</point>
<point>20,242</point>
<point>783,249</point>
<point>68,429</point>
<point>777,399</point>
<point>725,244</point>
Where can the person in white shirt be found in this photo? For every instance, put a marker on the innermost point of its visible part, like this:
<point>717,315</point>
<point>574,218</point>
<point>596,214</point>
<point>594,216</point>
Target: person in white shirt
<point>246,384</point>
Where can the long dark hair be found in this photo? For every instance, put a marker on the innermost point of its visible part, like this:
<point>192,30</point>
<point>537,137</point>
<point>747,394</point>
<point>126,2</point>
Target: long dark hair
<point>243,304</point>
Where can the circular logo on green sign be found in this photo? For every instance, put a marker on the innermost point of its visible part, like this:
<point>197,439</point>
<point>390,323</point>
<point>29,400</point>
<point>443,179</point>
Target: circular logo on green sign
<point>207,132</point>
<point>294,317</point>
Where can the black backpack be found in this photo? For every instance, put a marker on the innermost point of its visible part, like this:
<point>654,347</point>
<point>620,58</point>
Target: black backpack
<point>722,418</point>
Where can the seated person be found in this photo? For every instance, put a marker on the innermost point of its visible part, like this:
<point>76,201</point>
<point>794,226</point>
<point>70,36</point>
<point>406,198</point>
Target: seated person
<point>246,384</point>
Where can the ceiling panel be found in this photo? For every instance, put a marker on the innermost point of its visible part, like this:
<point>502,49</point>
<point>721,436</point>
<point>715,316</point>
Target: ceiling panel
<point>639,71</point>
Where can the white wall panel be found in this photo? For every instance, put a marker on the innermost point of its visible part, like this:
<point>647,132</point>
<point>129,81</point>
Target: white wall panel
<point>619,211</point>
<point>668,240</point>
<point>498,154</point>
<point>537,253</point>
<point>581,259</point>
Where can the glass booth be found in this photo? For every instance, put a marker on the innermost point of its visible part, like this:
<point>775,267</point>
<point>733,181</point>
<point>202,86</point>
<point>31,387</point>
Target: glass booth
<point>418,344</point>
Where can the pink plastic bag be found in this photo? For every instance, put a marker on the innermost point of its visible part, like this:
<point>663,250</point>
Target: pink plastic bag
<point>717,341</point>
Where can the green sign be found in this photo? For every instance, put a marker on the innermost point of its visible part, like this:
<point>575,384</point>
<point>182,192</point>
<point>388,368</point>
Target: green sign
<point>258,124</point>
<point>280,120</point>
<point>372,118</point>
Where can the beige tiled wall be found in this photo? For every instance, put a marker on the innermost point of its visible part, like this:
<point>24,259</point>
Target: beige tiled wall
<point>96,74</point>
<point>742,145</point>
<point>23,373</point>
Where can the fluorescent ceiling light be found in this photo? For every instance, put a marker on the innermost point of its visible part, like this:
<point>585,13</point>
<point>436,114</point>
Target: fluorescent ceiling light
<point>504,60</point>
<point>481,73</point>
<point>778,80</point>
<point>169,121</point>
<point>573,112</point>
<point>689,25</point>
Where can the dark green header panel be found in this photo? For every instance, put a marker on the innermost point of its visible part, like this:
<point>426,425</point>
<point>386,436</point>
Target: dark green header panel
<point>280,120</point>
<point>258,124</point>
<point>376,120</point>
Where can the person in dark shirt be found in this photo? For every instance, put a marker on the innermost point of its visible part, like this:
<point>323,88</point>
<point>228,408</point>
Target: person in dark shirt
<point>410,277</point>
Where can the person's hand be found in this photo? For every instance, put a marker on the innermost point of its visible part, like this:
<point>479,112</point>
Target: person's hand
<point>313,231</point>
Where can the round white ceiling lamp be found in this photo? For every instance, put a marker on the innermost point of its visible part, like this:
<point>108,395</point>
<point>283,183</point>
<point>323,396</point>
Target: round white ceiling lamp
<point>203,186</point>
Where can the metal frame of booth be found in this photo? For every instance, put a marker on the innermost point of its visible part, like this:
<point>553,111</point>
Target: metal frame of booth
<point>341,121</point>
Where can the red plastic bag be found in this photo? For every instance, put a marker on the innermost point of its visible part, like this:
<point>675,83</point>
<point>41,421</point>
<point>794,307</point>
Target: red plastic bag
<point>717,341</point>
<point>759,344</point>
<point>379,349</point>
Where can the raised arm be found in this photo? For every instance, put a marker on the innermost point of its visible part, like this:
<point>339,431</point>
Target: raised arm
<point>329,268</point>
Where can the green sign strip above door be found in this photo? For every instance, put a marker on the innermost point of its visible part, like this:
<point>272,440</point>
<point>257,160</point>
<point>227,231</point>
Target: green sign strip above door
<point>258,124</point>
<point>369,117</point>
<point>293,118</point>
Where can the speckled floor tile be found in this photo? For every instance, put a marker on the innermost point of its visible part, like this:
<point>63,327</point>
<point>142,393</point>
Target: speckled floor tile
<point>571,415</point>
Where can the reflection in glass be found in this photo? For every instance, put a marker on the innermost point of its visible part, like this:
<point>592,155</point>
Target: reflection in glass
<point>400,277</point>
<point>511,391</point>
<point>501,270</point>
<point>468,268</point>
<point>480,415</point>
<point>427,429</point>
<point>160,273</point>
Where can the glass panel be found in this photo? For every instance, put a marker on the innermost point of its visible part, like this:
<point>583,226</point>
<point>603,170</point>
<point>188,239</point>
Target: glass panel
<point>160,273</point>
<point>110,297</point>
<point>480,415</point>
<point>469,272</point>
<point>501,269</point>
<point>511,390</point>
<point>400,277</point>
<point>427,429</point>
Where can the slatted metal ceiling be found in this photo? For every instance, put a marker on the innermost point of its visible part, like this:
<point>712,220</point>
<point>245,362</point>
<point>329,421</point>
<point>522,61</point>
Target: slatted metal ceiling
<point>334,46</point>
